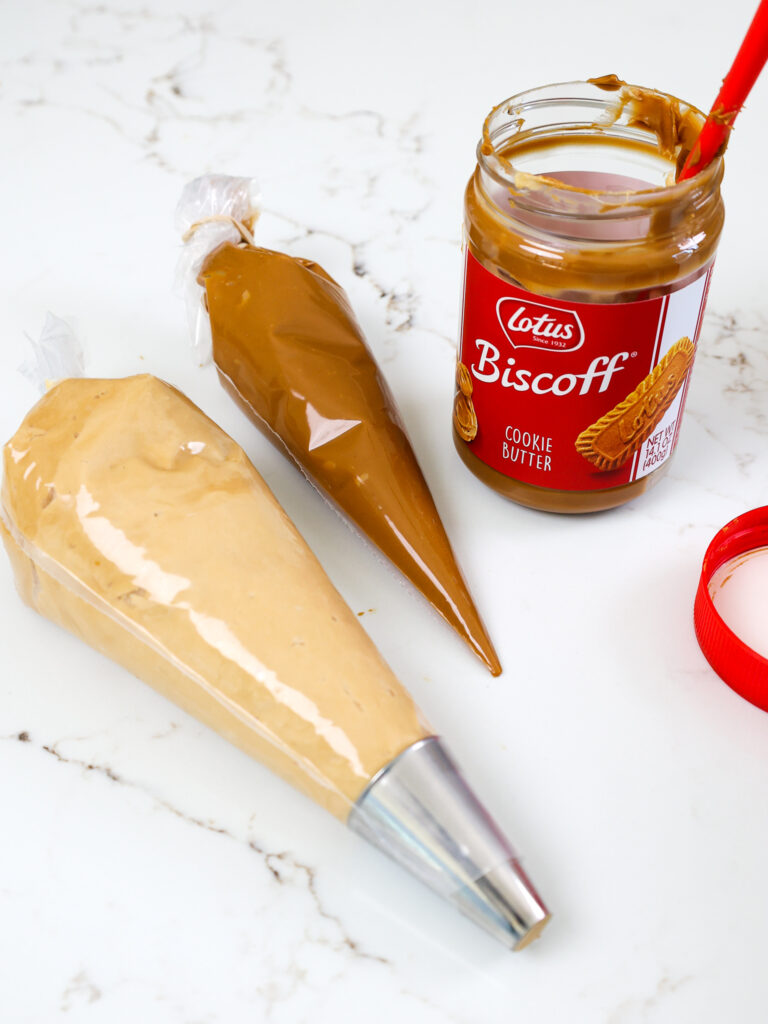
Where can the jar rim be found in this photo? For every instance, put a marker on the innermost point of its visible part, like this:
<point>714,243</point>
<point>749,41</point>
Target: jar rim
<point>528,189</point>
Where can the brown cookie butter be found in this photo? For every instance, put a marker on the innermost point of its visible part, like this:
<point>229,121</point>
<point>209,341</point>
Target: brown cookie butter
<point>289,349</point>
<point>464,419</point>
<point>586,264</point>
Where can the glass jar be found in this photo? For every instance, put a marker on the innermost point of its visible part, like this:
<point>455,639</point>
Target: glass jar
<point>587,270</point>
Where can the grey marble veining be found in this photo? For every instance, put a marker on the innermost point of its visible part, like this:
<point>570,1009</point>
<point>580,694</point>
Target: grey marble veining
<point>148,871</point>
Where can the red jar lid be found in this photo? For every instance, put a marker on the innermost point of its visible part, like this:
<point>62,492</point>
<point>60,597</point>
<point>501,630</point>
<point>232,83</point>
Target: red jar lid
<point>742,668</point>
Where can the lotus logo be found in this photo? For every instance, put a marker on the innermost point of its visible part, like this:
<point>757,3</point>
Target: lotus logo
<point>534,325</point>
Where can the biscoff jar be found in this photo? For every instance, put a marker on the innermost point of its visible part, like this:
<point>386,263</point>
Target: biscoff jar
<point>587,270</point>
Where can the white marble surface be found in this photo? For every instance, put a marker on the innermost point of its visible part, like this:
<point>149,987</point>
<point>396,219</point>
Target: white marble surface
<point>149,872</point>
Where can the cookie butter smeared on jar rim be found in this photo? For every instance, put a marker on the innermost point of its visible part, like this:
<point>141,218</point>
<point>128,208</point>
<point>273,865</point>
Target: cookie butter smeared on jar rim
<point>587,270</point>
<point>136,523</point>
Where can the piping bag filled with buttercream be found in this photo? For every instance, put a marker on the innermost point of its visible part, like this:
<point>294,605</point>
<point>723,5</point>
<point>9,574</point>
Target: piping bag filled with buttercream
<point>136,523</point>
<point>289,349</point>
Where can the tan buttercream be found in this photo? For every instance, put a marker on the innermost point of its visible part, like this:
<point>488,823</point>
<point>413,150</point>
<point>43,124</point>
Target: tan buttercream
<point>136,523</point>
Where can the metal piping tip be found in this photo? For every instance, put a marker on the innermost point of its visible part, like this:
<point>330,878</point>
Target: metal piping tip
<point>420,811</point>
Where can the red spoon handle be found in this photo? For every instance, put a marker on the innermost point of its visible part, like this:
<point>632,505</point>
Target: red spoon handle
<point>748,64</point>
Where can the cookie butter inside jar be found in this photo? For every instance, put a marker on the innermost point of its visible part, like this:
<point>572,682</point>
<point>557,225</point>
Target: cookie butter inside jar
<point>587,270</point>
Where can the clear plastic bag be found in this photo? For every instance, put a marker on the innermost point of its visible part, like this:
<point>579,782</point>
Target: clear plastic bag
<point>213,209</point>
<point>134,522</point>
<point>289,349</point>
<point>56,354</point>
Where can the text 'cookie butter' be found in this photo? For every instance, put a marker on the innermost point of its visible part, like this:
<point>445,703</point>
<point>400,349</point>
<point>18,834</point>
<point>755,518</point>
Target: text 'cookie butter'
<point>587,267</point>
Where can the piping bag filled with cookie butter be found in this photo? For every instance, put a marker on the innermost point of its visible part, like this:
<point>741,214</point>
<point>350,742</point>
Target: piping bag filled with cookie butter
<point>134,522</point>
<point>289,349</point>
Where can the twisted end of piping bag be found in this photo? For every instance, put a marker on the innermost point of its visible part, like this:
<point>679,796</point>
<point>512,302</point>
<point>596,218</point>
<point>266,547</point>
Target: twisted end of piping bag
<point>420,811</point>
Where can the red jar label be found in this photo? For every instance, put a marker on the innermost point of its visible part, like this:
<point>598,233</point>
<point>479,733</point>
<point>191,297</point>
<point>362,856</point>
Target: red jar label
<point>574,396</point>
